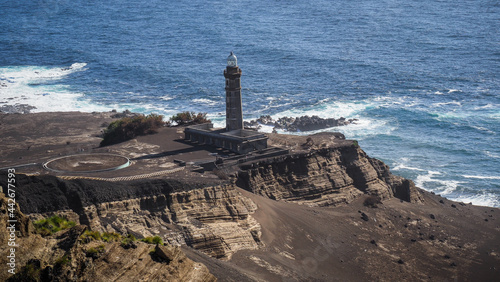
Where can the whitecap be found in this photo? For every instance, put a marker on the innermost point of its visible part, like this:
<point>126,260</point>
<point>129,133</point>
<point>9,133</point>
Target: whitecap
<point>481,198</point>
<point>428,182</point>
<point>404,167</point>
<point>447,103</point>
<point>483,129</point>
<point>449,186</point>
<point>268,129</point>
<point>166,98</point>
<point>328,109</point>
<point>35,86</point>
<point>205,101</point>
<point>37,74</point>
<point>481,177</point>
<point>487,106</point>
<point>492,155</point>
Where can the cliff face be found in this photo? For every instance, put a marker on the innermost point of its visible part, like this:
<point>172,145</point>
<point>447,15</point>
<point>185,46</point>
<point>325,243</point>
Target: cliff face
<point>65,257</point>
<point>215,220</point>
<point>324,177</point>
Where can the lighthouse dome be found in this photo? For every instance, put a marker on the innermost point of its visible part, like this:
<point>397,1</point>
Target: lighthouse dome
<point>232,61</point>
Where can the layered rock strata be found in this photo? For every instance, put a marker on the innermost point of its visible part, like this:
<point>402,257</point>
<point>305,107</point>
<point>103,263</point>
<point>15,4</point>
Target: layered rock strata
<point>215,220</point>
<point>325,177</point>
<point>65,257</point>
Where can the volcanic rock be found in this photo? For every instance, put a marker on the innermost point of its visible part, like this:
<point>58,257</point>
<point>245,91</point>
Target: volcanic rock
<point>303,123</point>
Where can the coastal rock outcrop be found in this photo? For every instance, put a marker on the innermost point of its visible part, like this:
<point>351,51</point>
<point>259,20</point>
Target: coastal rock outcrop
<point>303,123</point>
<point>215,220</point>
<point>325,177</point>
<point>64,256</point>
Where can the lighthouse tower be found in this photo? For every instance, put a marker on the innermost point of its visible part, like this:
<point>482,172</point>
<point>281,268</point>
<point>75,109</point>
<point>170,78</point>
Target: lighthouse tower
<point>234,112</point>
<point>234,137</point>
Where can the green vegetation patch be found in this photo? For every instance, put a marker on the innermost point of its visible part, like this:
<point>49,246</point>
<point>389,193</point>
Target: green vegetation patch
<point>130,127</point>
<point>51,225</point>
<point>153,240</point>
<point>110,237</point>
<point>30,272</point>
<point>89,236</point>
<point>187,118</point>
<point>128,242</point>
<point>95,252</point>
<point>62,261</point>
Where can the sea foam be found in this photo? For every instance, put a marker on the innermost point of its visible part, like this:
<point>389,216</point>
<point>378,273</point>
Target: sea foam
<point>38,86</point>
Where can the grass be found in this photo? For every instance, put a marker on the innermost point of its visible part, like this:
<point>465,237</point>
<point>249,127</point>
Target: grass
<point>29,272</point>
<point>51,225</point>
<point>95,252</point>
<point>62,261</point>
<point>88,236</point>
<point>110,237</point>
<point>128,242</point>
<point>153,240</point>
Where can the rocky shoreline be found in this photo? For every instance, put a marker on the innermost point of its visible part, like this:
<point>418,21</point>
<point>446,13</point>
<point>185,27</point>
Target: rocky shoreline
<point>296,124</point>
<point>16,109</point>
<point>325,211</point>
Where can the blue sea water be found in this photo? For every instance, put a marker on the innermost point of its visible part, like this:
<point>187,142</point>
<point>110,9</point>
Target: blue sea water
<point>422,77</point>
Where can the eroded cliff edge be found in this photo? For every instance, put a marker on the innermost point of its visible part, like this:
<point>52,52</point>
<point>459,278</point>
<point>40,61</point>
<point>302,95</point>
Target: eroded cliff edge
<point>64,256</point>
<point>325,177</point>
<point>215,219</point>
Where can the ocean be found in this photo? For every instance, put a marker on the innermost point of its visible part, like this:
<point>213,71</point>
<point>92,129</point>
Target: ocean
<point>422,77</point>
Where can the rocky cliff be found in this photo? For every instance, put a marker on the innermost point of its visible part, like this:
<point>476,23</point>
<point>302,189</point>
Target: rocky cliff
<point>64,256</point>
<point>326,176</point>
<point>215,219</point>
<point>239,235</point>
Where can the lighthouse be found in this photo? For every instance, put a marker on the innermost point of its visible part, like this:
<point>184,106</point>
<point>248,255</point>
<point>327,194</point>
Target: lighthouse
<point>234,111</point>
<point>234,137</point>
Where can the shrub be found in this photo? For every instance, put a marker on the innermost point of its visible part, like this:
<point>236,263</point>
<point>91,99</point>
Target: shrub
<point>88,236</point>
<point>108,237</point>
<point>95,252</point>
<point>185,118</point>
<point>372,201</point>
<point>153,240</point>
<point>62,261</point>
<point>30,272</point>
<point>51,225</point>
<point>130,127</point>
<point>128,242</point>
